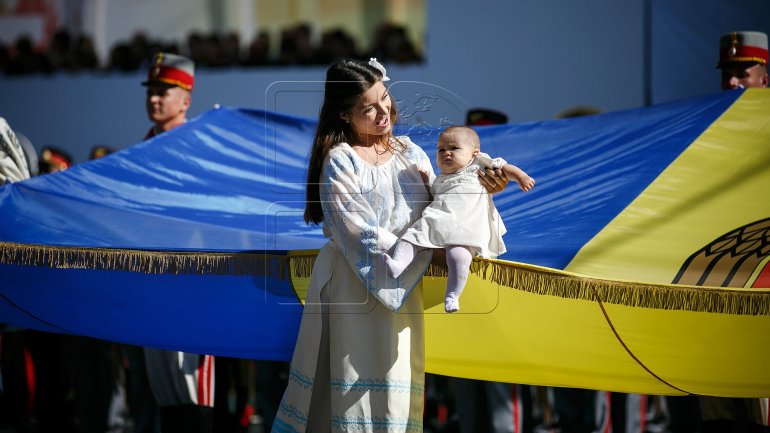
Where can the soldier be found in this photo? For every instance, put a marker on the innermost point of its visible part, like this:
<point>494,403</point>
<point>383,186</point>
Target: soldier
<point>169,91</point>
<point>182,383</point>
<point>743,60</point>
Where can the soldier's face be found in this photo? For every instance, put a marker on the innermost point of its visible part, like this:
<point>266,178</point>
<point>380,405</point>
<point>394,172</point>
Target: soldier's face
<point>745,75</point>
<point>166,103</point>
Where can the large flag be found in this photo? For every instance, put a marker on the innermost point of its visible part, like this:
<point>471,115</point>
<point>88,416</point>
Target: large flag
<point>638,263</point>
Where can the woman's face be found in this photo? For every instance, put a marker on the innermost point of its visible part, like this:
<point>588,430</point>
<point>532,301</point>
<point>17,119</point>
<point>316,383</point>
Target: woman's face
<point>454,152</point>
<point>370,117</point>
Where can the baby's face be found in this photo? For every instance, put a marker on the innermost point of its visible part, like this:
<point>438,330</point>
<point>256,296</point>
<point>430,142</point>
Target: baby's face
<point>454,153</point>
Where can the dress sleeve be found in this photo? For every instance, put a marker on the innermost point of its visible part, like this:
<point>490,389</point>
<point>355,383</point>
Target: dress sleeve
<point>485,161</point>
<point>347,212</point>
<point>352,224</point>
<point>13,163</point>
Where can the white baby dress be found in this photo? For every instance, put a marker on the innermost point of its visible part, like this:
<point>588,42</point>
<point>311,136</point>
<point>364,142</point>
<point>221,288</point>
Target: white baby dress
<point>462,213</point>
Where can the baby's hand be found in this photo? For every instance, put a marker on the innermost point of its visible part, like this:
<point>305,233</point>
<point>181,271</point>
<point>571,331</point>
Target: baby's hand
<point>526,183</point>
<point>424,174</point>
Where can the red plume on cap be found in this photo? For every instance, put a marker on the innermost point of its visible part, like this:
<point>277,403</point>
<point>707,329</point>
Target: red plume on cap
<point>171,70</point>
<point>53,159</point>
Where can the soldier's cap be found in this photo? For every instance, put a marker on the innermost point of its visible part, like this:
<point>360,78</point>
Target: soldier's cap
<point>55,157</point>
<point>99,151</point>
<point>743,47</point>
<point>484,116</point>
<point>171,70</point>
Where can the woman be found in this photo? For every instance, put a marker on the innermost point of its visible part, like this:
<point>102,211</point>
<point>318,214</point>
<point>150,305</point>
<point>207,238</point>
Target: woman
<point>359,360</point>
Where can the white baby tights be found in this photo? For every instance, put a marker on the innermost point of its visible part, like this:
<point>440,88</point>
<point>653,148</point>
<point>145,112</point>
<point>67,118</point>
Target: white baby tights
<point>458,260</point>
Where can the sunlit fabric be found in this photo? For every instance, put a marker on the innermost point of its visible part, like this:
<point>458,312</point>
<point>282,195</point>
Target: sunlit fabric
<point>638,263</point>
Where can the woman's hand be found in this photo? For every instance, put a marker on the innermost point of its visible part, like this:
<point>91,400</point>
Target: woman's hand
<point>493,180</point>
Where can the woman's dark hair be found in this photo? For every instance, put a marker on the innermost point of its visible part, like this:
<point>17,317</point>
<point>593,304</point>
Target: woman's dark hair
<point>346,81</point>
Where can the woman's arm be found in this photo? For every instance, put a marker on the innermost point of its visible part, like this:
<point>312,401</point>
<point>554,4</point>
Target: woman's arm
<point>352,222</point>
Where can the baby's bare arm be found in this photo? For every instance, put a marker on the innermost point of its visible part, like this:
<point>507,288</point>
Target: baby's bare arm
<point>425,175</point>
<point>519,176</point>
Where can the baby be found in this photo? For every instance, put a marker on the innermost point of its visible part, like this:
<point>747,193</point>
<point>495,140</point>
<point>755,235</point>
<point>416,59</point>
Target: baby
<point>462,218</point>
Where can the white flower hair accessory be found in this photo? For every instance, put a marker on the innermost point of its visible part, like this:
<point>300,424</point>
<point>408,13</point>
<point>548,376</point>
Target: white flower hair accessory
<point>377,65</point>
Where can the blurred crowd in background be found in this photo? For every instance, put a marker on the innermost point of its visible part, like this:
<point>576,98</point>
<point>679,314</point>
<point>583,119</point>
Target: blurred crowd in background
<point>298,45</point>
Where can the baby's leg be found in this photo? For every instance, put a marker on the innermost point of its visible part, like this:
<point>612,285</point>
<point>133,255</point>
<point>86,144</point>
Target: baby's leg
<point>458,260</point>
<point>403,254</point>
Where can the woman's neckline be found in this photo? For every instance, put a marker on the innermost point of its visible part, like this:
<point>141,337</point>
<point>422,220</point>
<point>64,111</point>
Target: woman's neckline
<point>374,163</point>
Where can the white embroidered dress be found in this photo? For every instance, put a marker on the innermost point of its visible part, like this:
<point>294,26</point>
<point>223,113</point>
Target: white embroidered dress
<point>462,213</point>
<point>358,363</point>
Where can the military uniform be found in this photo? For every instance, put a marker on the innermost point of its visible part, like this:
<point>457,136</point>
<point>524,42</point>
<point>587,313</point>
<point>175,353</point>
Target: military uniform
<point>182,383</point>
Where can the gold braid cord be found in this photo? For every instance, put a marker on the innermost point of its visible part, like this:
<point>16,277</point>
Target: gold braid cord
<point>529,278</point>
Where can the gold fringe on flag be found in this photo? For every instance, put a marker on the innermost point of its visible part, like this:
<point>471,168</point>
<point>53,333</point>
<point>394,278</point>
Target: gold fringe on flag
<point>551,282</point>
<point>529,278</point>
<point>145,261</point>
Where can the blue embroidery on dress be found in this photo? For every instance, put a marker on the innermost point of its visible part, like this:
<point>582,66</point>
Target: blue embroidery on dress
<point>377,385</point>
<point>289,413</point>
<point>279,426</point>
<point>303,380</point>
<point>367,252</point>
<point>376,423</point>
